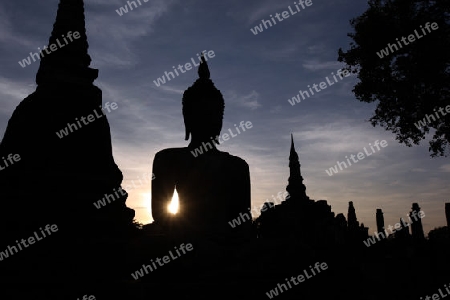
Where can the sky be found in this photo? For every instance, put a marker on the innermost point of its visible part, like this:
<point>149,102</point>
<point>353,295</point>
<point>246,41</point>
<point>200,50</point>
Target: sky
<point>257,75</point>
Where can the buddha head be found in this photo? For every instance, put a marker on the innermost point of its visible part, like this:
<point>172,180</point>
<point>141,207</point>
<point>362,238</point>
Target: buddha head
<point>203,107</point>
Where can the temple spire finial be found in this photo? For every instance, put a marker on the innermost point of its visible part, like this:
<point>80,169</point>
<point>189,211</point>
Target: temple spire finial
<point>293,156</point>
<point>70,61</point>
<point>295,188</point>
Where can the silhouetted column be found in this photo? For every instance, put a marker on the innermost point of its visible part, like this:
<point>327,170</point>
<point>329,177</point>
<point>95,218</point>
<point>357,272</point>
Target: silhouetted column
<point>380,220</point>
<point>416,225</point>
<point>351,217</point>
<point>403,231</point>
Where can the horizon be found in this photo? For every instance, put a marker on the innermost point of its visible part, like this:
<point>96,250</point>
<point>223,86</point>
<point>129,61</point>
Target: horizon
<point>257,78</point>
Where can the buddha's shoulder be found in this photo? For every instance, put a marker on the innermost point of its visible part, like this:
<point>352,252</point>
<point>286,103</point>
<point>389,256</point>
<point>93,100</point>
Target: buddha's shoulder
<point>236,160</point>
<point>171,152</point>
<point>186,153</point>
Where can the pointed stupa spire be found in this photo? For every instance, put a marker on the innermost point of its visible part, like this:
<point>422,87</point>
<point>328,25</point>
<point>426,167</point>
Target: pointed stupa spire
<point>295,188</point>
<point>66,56</point>
<point>293,154</point>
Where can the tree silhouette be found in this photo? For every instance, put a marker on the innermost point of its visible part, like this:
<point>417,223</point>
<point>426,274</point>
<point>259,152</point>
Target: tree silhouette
<point>410,80</point>
<point>439,234</point>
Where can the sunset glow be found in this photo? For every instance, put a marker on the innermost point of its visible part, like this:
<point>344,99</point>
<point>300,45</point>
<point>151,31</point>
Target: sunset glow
<point>174,204</point>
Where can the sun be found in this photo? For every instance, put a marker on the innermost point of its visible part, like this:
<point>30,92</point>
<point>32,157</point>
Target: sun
<point>174,204</point>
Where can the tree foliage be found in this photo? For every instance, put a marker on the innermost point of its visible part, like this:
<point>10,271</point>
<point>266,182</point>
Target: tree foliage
<point>411,82</point>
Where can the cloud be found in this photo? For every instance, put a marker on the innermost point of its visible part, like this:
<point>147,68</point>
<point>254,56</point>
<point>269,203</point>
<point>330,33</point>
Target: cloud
<point>114,34</point>
<point>173,90</point>
<point>286,52</point>
<point>12,92</point>
<point>314,65</point>
<point>249,100</point>
<point>264,10</point>
<point>8,34</point>
<point>445,168</point>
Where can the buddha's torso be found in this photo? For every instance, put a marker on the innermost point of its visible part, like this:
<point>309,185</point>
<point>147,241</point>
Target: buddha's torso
<point>213,187</point>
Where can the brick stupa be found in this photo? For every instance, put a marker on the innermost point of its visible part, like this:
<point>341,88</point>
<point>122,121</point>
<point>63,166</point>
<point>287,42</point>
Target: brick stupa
<point>57,179</point>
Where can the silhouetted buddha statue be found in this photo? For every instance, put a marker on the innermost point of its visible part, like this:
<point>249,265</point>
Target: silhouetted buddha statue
<point>213,187</point>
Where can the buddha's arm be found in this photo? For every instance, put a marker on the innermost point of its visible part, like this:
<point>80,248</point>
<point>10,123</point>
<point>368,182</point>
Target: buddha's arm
<point>243,200</point>
<point>162,188</point>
